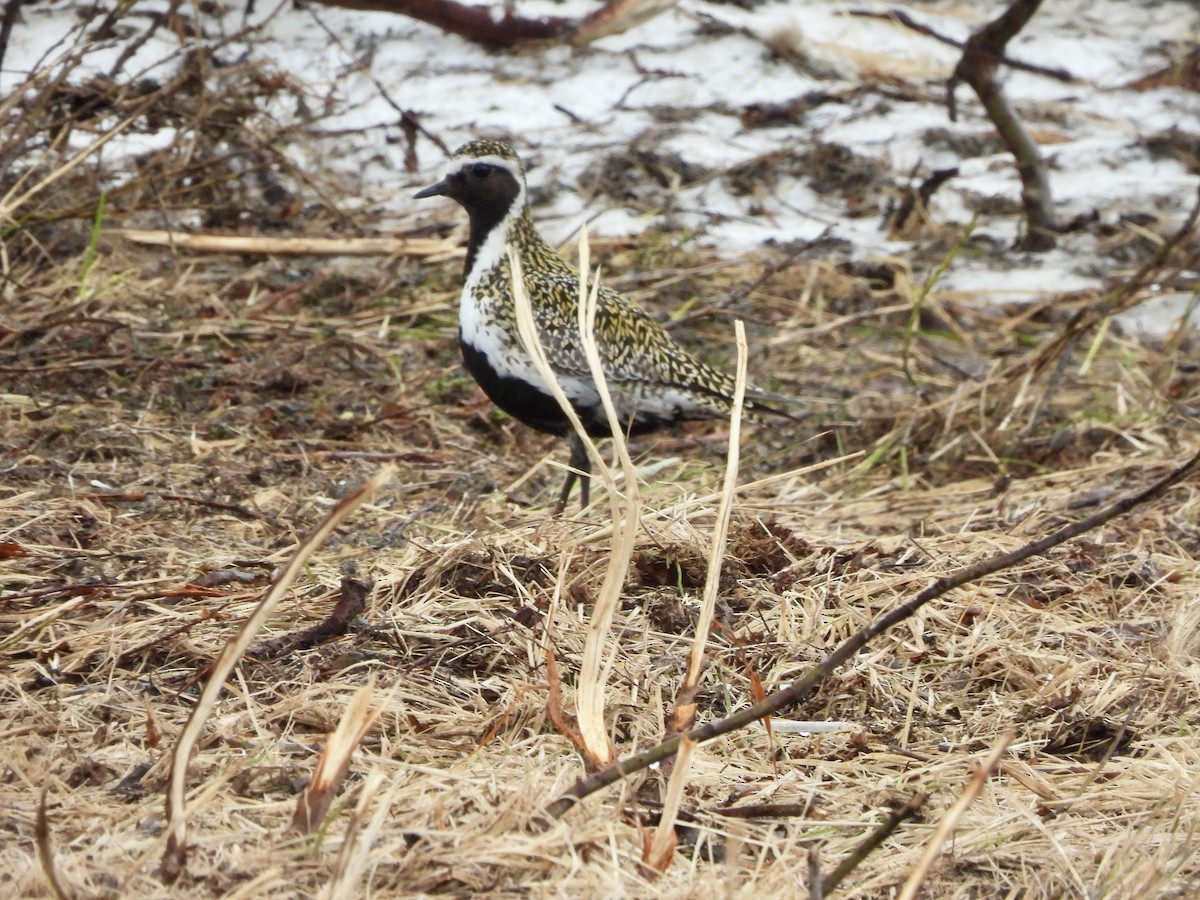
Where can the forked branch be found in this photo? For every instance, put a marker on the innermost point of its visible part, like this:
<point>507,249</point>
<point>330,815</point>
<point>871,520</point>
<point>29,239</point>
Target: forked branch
<point>482,24</point>
<point>982,56</point>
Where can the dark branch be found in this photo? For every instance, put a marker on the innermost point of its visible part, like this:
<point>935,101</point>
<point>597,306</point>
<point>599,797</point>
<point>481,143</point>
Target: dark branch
<point>475,23</point>
<point>918,200</point>
<point>982,56</point>
<point>872,841</point>
<point>483,24</point>
<point>6,26</point>
<point>45,847</point>
<point>899,15</point>
<point>351,602</point>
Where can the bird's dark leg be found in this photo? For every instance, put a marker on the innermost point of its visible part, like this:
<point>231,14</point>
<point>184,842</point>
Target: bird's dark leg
<point>581,467</point>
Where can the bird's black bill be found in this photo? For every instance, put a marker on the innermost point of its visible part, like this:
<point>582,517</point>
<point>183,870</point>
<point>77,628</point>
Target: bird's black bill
<point>434,190</point>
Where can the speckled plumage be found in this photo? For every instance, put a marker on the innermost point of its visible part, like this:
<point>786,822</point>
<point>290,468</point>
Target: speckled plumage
<point>652,379</point>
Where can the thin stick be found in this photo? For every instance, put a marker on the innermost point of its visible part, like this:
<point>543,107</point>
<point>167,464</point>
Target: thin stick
<point>292,246</point>
<point>868,845</point>
<point>899,15</point>
<point>45,848</point>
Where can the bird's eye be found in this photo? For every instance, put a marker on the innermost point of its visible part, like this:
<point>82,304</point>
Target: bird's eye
<point>482,170</point>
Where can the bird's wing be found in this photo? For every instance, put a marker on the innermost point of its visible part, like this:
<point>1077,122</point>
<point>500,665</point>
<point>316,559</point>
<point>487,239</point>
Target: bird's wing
<point>633,346</point>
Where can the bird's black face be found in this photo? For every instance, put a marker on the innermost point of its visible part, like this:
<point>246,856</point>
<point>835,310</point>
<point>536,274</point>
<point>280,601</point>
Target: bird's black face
<point>485,190</point>
<point>486,180</point>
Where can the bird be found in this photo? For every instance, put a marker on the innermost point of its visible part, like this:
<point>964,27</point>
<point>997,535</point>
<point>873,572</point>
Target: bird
<point>654,382</point>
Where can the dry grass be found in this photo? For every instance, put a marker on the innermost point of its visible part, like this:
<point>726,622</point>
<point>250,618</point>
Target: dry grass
<point>165,454</point>
<point>171,427</point>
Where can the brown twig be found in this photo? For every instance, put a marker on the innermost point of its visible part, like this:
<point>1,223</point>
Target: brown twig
<point>475,23</point>
<point>982,56</point>
<point>351,602</point>
<point>142,496</point>
<point>868,844</point>
<point>6,25</point>
<point>479,23</point>
<point>918,201</point>
<point>157,20</point>
<point>45,849</point>
<point>616,17</point>
<point>807,684</point>
<point>764,811</point>
<point>903,18</point>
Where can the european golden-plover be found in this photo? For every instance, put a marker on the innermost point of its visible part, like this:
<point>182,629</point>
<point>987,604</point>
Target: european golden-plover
<point>653,380</point>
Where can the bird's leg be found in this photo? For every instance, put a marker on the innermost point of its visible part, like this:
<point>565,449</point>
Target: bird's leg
<point>581,467</point>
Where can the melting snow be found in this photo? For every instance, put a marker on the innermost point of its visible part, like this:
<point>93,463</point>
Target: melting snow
<point>680,82</point>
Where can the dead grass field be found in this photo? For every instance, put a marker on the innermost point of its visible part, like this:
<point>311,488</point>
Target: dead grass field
<point>171,425</point>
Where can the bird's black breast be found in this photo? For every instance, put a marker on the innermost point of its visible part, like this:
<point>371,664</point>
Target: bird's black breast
<point>529,404</point>
<point>523,401</point>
